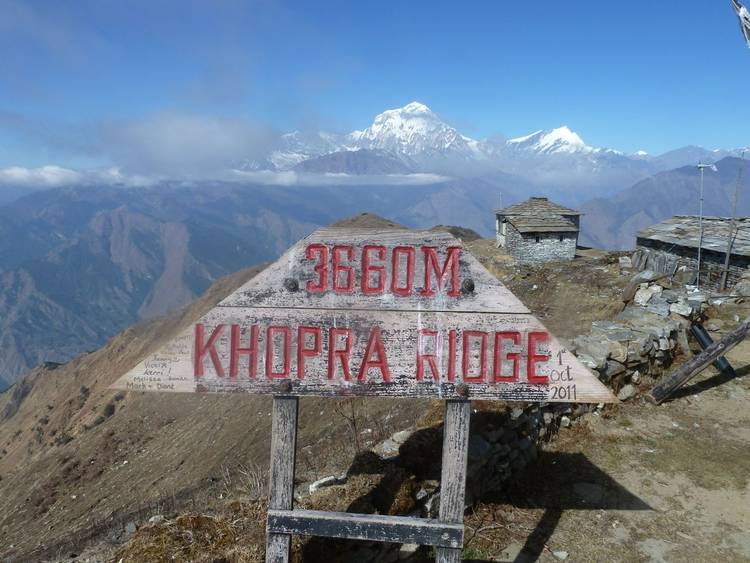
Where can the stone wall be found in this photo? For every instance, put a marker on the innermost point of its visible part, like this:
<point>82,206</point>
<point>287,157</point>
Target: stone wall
<point>533,248</point>
<point>682,263</point>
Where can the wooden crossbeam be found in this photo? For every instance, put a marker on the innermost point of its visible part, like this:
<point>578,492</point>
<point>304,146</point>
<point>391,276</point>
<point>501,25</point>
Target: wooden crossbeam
<point>371,527</point>
<point>697,364</point>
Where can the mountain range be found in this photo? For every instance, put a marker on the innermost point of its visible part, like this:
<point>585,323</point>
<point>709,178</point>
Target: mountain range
<point>557,161</point>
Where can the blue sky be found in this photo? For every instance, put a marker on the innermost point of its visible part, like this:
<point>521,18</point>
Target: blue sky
<point>91,83</point>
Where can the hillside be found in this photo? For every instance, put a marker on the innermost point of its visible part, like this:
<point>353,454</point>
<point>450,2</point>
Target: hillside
<point>104,463</point>
<point>77,265</point>
<point>92,451</point>
<point>612,222</point>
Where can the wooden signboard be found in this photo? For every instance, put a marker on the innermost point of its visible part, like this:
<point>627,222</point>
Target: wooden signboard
<point>368,312</point>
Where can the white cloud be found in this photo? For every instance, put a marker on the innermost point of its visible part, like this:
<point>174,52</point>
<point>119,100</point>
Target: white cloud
<point>46,176</point>
<point>52,176</point>
<point>291,178</point>
<point>56,176</point>
<point>183,145</point>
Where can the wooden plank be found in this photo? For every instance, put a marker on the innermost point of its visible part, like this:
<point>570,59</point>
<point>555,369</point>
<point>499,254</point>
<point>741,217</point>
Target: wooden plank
<point>301,356</point>
<point>281,478</point>
<point>705,340</point>
<point>697,364</point>
<point>298,266</point>
<point>370,527</point>
<point>453,477</point>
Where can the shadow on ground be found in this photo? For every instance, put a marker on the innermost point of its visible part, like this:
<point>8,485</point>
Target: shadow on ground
<point>710,383</point>
<point>555,482</point>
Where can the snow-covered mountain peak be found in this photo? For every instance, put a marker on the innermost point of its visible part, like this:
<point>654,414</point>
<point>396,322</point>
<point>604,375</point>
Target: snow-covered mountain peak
<point>559,140</point>
<point>415,107</point>
<point>412,130</point>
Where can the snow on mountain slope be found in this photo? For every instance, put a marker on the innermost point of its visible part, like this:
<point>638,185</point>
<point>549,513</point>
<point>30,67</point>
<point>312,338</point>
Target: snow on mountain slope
<point>556,157</point>
<point>298,146</point>
<point>413,130</point>
<point>560,140</point>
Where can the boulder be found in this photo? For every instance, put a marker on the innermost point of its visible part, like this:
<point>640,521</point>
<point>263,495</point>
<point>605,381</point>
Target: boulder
<point>595,348</point>
<point>627,392</point>
<point>643,296</point>
<point>658,305</point>
<point>618,351</point>
<point>681,307</point>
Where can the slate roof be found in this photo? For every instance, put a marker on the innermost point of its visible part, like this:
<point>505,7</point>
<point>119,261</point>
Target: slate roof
<point>537,206</point>
<point>684,230</point>
<point>542,224</point>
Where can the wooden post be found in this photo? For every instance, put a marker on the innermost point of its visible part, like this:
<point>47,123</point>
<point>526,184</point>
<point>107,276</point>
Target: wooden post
<point>281,481</point>
<point>453,477</point>
<point>696,365</point>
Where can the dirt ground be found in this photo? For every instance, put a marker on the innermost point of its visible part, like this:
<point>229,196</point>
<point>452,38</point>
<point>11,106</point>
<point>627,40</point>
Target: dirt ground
<point>641,483</point>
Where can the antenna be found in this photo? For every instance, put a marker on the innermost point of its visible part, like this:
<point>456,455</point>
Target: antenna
<point>730,239</point>
<point>701,167</point>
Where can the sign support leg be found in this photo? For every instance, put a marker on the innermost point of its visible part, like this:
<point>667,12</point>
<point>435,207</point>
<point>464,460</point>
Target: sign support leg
<point>453,478</point>
<point>281,481</point>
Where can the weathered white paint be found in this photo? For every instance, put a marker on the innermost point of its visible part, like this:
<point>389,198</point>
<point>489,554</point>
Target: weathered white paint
<point>267,301</point>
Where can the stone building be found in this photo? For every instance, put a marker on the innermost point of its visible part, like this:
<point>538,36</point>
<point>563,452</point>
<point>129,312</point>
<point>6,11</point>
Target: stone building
<point>538,230</point>
<point>671,247</point>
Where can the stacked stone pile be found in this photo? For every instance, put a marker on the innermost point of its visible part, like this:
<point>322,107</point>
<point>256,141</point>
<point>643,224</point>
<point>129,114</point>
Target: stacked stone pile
<point>643,340</point>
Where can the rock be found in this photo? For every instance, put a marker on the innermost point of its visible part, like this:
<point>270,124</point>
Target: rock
<point>516,413</point>
<point>618,352</point>
<point>324,482</point>
<point>682,341</point>
<point>670,295</point>
<point>612,331</point>
<point>664,344</point>
<point>595,348</point>
<point>635,377</point>
<point>386,449</point>
<point>156,519</point>
<point>643,296</point>
<point>401,437</point>
<point>681,307</point>
<point>627,392</point>
<point>625,262</point>
<point>130,528</point>
<point>613,369</point>
<point>565,421</point>
<point>560,555</point>
<point>742,288</point>
<point>658,306</point>
<point>714,325</point>
<point>696,298</point>
<point>587,361</point>
<point>407,550</point>
<point>645,276</point>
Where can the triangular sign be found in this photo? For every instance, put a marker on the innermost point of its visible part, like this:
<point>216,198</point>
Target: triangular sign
<point>372,312</point>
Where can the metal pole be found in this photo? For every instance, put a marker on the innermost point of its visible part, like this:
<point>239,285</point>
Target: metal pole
<point>700,230</point>
<point>730,240</point>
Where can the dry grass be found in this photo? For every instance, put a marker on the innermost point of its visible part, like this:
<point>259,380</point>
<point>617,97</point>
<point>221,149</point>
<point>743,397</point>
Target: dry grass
<point>237,536</point>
